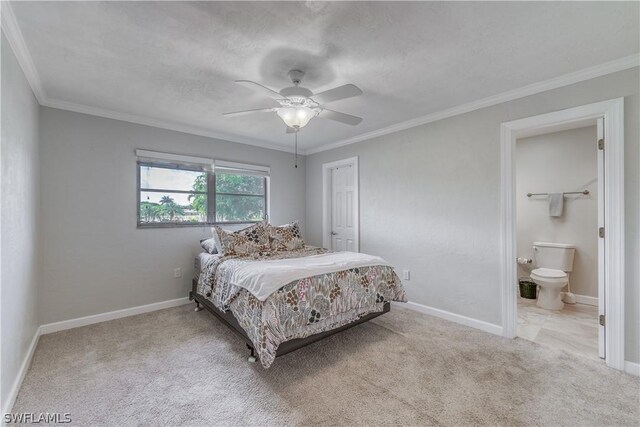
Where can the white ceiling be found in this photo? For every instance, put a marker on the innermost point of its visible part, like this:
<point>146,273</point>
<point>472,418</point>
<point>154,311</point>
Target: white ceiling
<point>175,62</point>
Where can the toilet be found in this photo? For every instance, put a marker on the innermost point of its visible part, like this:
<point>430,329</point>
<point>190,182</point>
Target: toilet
<point>553,261</point>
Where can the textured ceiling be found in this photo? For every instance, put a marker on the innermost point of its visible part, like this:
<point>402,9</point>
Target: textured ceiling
<point>176,61</point>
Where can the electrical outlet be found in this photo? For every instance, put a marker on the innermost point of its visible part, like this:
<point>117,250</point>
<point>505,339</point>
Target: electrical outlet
<point>406,275</point>
<point>177,272</point>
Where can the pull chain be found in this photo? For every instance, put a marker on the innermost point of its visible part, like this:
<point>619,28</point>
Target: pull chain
<point>296,152</point>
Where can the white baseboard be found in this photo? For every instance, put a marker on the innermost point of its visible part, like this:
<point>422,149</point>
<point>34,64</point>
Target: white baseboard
<point>111,315</point>
<point>453,317</point>
<point>17,382</point>
<point>583,299</point>
<point>632,368</point>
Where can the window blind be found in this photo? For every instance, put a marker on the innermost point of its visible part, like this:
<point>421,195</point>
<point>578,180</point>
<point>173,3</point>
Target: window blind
<point>159,157</point>
<point>224,166</point>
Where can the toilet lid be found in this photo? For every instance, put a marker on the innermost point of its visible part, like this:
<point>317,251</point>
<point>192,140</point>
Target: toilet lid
<point>549,273</point>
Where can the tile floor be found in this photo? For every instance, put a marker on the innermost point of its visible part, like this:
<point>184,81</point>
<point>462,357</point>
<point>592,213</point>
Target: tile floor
<point>574,328</point>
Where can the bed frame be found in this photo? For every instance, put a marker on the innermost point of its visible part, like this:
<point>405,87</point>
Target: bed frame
<point>286,347</point>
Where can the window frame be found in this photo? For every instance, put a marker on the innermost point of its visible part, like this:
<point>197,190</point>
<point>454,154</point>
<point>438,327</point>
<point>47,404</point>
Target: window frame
<point>210,193</point>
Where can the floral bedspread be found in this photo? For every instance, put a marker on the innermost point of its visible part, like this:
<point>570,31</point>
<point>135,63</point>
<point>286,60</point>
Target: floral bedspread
<point>302,307</point>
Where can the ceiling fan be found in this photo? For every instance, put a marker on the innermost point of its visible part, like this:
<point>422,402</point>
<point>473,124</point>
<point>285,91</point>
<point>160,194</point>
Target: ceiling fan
<point>298,105</point>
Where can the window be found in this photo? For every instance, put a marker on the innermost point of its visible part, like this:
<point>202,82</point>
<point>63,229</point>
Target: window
<point>240,198</point>
<point>183,195</point>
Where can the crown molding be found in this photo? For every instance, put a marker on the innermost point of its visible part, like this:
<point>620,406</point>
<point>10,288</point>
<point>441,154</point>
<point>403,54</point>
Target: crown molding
<point>620,64</point>
<point>14,36</point>
<point>162,124</point>
<point>12,31</point>
<point>16,40</point>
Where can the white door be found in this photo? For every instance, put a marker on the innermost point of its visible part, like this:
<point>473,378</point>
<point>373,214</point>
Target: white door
<point>601,288</point>
<point>343,202</point>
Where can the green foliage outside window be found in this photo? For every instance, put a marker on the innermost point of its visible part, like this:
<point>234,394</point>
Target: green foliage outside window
<point>239,197</point>
<point>165,211</point>
<point>199,201</point>
<point>165,197</point>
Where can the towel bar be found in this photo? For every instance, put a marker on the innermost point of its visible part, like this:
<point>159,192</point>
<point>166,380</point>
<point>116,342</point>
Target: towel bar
<point>585,192</point>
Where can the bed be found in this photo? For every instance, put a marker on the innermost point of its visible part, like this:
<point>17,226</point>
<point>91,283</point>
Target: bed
<point>279,301</point>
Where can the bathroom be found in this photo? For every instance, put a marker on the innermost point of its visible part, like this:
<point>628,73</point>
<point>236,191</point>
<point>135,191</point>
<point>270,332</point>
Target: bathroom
<point>557,204</point>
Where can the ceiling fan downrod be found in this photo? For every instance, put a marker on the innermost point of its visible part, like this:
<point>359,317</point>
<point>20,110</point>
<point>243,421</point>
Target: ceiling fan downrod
<point>296,76</point>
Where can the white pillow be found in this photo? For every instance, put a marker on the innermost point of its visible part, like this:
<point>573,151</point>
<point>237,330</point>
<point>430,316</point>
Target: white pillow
<point>209,245</point>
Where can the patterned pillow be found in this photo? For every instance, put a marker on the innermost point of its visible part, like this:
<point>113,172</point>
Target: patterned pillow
<point>248,241</point>
<point>286,237</point>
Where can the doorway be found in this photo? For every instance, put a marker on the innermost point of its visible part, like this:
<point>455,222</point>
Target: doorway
<point>558,213</point>
<point>340,189</point>
<point>608,115</point>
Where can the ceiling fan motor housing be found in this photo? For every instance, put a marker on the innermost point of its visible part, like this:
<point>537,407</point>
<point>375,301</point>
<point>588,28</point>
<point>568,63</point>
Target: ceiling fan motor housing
<point>294,92</point>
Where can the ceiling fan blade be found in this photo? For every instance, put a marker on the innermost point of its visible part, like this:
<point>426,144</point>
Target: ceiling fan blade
<point>340,117</point>
<point>241,113</point>
<point>257,87</point>
<point>290,129</point>
<point>337,93</point>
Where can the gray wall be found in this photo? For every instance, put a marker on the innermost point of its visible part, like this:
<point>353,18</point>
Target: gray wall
<point>94,260</point>
<point>559,162</point>
<point>19,213</point>
<point>430,200</point>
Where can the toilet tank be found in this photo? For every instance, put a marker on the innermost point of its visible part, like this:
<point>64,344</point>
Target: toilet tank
<point>558,256</point>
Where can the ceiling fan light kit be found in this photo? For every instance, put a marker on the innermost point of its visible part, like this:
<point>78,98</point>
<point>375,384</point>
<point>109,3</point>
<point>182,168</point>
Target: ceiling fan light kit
<point>297,116</point>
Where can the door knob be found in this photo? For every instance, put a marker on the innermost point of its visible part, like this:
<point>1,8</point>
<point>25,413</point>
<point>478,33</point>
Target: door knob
<point>333,233</point>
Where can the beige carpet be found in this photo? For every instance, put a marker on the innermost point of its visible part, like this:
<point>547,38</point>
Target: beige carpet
<point>177,367</point>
